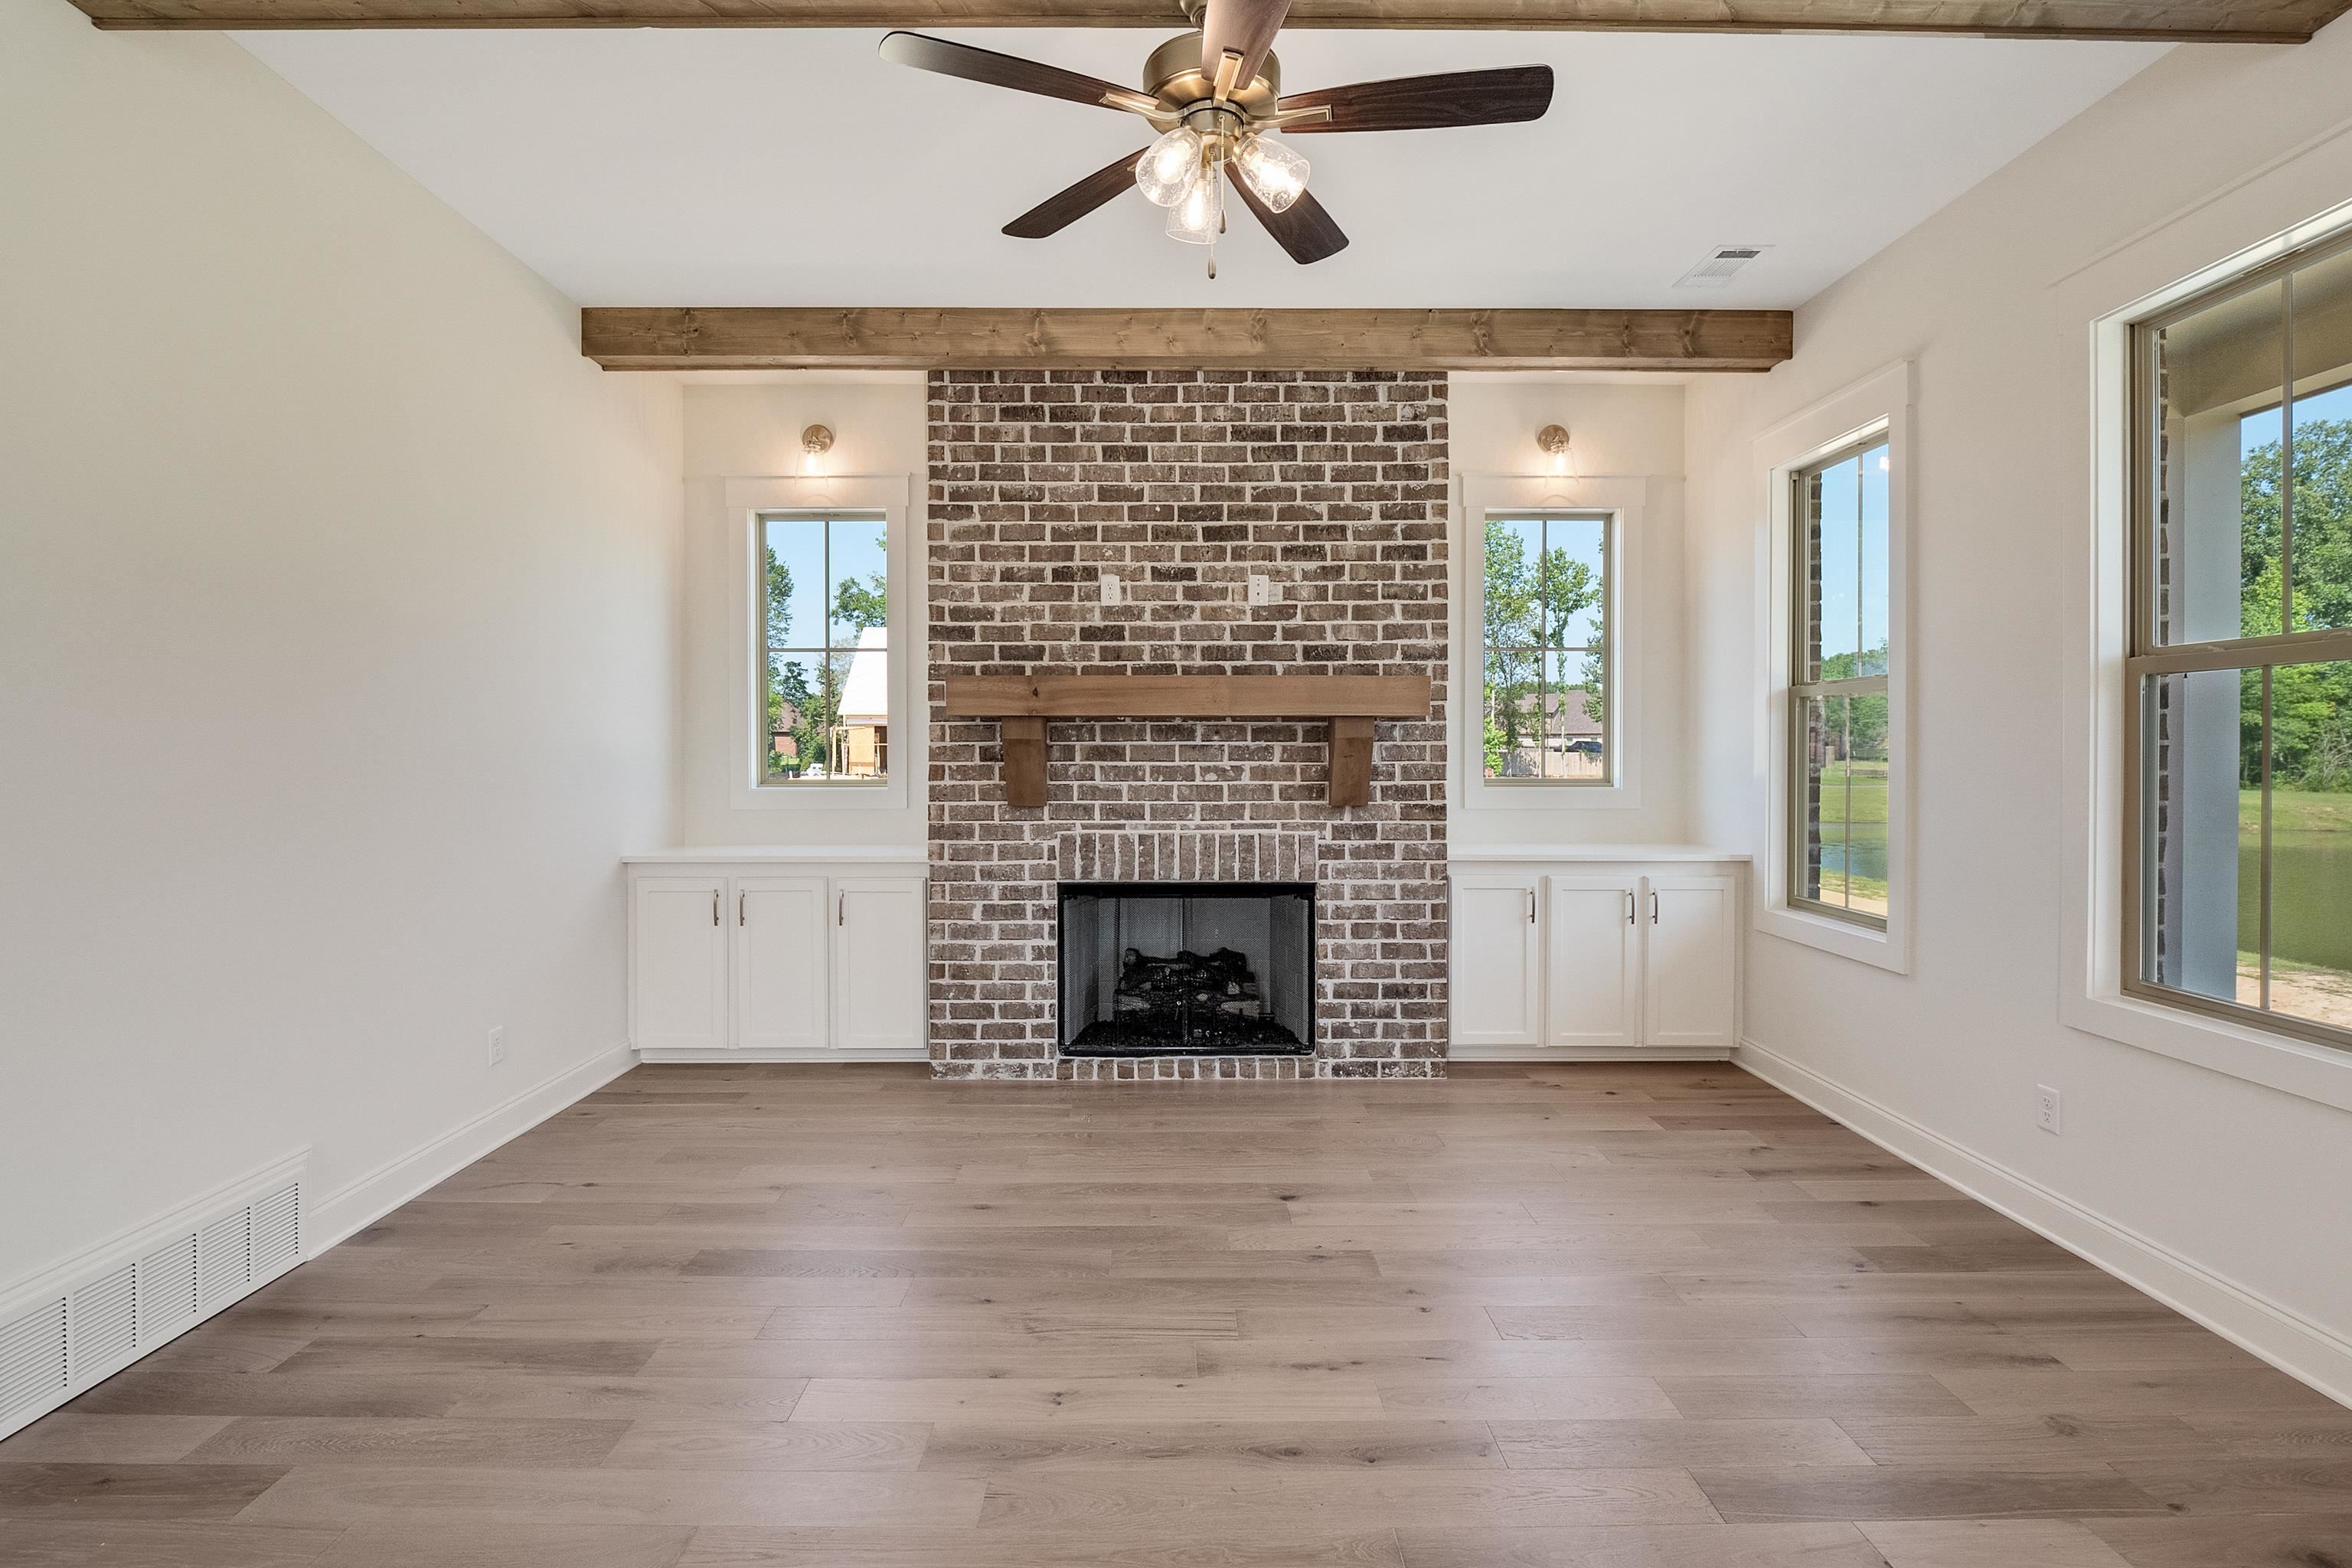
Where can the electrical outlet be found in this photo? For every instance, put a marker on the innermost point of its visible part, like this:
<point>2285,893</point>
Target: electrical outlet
<point>2045,1107</point>
<point>1113,590</point>
<point>498,1044</point>
<point>1260,589</point>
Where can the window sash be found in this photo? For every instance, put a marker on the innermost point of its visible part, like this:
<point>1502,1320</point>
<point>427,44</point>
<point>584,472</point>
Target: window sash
<point>1610,728</point>
<point>2147,656</point>
<point>1804,622</point>
<point>824,654</point>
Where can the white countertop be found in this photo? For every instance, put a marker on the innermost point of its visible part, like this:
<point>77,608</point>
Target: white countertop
<point>1462,853</point>
<point>702,854</point>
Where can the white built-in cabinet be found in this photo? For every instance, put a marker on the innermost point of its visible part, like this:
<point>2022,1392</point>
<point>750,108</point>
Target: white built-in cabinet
<point>1595,958</point>
<point>776,961</point>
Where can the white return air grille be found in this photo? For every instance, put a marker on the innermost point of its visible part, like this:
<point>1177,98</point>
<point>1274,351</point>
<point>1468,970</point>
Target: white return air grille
<point>77,1327</point>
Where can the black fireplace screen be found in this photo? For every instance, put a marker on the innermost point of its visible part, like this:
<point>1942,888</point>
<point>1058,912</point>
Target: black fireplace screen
<point>1187,968</point>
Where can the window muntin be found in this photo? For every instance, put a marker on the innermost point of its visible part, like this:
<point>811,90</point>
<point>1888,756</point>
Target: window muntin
<point>2239,757</point>
<point>1838,688</point>
<point>1547,679</point>
<point>824,670</point>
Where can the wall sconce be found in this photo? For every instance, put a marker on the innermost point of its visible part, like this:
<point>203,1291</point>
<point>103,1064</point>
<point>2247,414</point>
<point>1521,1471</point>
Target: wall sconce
<point>816,442</point>
<point>1553,439</point>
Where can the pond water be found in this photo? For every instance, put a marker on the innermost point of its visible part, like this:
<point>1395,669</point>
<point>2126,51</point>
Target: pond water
<point>1864,853</point>
<point>2311,896</point>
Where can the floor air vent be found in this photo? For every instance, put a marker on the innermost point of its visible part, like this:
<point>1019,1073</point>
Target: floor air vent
<point>32,1357</point>
<point>76,1327</point>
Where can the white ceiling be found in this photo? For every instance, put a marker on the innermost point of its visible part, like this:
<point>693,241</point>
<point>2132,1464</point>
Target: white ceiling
<point>793,167</point>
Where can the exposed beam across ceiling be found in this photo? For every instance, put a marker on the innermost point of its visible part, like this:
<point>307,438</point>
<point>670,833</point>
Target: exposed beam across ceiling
<point>827,338</point>
<point>2233,21</point>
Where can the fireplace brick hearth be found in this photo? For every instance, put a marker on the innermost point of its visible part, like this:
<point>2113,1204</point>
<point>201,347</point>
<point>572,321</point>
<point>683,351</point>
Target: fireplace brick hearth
<point>1182,484</point>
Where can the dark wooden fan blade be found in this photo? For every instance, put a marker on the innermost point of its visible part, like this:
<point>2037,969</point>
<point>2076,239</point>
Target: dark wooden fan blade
<point>1303,229</point>
<point>1246,27</point>
<point>1063,208</point>
<point>1430,102</point>
<point>1005,70</point>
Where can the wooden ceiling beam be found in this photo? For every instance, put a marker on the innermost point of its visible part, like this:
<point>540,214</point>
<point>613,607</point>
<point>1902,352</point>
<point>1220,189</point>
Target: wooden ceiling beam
<point>752,337</point>
<point>2233,21</point>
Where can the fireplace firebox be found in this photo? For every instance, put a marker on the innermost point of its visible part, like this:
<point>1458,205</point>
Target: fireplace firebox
<point>1155,969</point>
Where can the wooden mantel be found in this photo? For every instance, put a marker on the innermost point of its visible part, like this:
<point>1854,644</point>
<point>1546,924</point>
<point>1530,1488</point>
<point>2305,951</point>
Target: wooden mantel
<point>1023,703</point>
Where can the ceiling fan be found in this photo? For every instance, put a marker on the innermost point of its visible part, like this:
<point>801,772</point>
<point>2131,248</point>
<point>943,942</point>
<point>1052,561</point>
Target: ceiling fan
<point>1215,97</point>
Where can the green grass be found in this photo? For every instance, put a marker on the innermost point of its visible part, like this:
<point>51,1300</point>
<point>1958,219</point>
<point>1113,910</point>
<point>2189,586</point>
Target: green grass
<point>1869,781</point>
<point>2296,811</point>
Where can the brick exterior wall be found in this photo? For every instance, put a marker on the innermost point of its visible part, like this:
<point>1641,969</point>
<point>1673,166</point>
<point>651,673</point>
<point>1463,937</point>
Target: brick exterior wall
<point>1183,483</point>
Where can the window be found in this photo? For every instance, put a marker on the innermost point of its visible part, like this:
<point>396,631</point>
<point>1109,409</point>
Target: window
<point>2238,710</point>
<point>822,660</point>
<point>1838,715</point>
<point>1549,695</point>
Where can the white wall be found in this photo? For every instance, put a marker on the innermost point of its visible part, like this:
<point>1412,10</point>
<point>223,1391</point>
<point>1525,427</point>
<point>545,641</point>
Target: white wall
<point>337,647</point>
<point>2234,1188</point>
<point>748,426</point>
<point>1620,427</point>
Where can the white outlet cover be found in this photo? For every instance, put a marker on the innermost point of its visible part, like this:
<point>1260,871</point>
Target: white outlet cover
<point>498,1044</point>
<point>2046,1108</point>
<point>1260,589</point>
<point>1111,588</point>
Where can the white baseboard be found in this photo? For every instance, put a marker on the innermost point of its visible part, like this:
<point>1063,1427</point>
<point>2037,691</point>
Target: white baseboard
<point>359,1203</point>
<point>780,1054</point>
<point>2309,1352</point>
<point>1587,1053</point>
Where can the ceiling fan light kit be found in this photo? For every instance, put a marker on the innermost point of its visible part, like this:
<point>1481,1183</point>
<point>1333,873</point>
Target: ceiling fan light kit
<point>1215,97</point>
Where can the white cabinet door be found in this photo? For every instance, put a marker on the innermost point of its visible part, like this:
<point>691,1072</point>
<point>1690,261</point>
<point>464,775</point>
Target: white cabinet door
<point>677,980</point>
<point>783,981</point>
<point>878,964</point>
<point>1496,979</point>
<point>1594,964</point>
<point>1689,981</point>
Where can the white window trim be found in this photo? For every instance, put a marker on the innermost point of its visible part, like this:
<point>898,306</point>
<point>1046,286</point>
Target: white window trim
<point>1879,404</point>
<point>1479,495</point>
<point>2090,986</point>
<point>884,494</point>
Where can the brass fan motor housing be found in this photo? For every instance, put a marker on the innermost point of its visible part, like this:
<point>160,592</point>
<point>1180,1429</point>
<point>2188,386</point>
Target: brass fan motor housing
<point>1174,77</point>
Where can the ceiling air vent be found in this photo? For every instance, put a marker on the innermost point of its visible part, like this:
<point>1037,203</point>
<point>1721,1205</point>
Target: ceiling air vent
<point>1722,264</point>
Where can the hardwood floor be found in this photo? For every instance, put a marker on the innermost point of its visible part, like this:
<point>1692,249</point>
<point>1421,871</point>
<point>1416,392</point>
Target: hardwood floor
<point>1556,1317</point>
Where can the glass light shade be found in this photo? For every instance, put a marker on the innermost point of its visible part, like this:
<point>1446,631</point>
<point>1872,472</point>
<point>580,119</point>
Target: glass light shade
<point>1276,173</point>
<point>1169,167</point>
<point>1200,217</point>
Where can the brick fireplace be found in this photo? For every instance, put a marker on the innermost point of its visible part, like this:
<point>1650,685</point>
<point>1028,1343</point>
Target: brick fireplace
<point>1183,484</point>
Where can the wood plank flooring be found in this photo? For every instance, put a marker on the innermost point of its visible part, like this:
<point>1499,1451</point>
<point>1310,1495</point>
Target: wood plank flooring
<point>1581,1316</point>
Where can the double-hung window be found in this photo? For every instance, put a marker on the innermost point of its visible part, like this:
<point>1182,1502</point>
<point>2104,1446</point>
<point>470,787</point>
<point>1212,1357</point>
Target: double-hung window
<point>2238,712</point>
<point>1837,694</point>
<point>823,648</point>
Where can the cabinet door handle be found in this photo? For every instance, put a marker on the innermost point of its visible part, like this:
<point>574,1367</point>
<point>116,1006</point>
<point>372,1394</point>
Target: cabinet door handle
<point>739,896</point>
<point>841,908</point>
<point>1629,906</point>
<point>714,906</point>
<point>1531,906</point>
<point>1654,907</point>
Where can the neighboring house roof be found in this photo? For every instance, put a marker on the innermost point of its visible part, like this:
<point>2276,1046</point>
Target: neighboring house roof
<point>866,693</point>
<point>1567,713</point>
